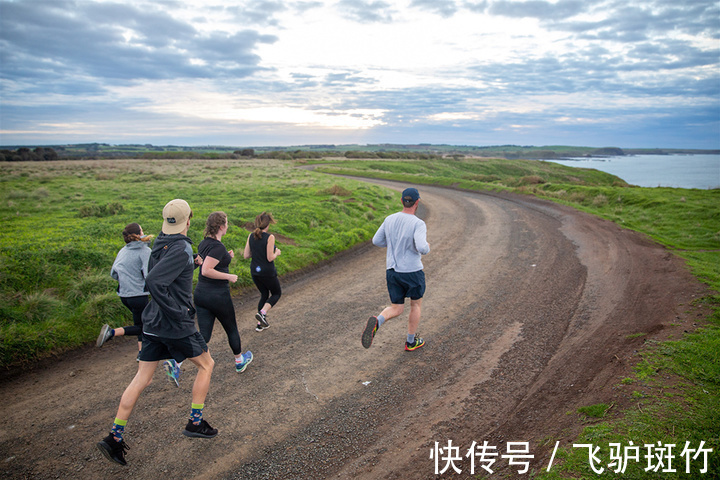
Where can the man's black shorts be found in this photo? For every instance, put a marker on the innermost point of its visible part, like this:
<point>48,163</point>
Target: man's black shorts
<point>160,348</point>
<point>403,285</point>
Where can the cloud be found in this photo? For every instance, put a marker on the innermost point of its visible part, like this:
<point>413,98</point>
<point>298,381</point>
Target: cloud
<point>444,8</point>
<point>51,42</point>
<point>365,11</point>
<point>464,71</point>
<point>538,9</point>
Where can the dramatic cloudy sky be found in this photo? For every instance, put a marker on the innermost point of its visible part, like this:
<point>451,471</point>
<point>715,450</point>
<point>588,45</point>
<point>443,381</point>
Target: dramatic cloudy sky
<point>627,73</point>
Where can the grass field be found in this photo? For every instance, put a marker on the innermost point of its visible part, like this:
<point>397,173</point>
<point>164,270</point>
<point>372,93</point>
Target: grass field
<point>62,224</point>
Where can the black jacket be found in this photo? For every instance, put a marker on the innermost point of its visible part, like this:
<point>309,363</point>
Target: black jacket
<point>170,276</point>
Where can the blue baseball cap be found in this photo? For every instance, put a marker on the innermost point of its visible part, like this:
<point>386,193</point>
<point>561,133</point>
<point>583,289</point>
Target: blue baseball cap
<point>410,196</point>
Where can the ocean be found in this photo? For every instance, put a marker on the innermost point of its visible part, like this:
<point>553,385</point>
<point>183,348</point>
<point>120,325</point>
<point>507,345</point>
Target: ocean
<point>677,171</point>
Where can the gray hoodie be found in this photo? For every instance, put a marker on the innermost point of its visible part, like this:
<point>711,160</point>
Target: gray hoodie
<point>130,269</point>
<point>170,311</point>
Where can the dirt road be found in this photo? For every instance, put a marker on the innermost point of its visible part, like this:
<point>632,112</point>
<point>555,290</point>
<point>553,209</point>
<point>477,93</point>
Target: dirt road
<point>530,313</point>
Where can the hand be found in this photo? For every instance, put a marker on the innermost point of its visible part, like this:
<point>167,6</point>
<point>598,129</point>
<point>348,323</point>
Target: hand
<point>198,260</point>
<point>232,278</point>
<point>277,252</point>
<point>232,254</point>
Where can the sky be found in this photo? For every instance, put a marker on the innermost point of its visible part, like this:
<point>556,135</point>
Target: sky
<point>624,73</point>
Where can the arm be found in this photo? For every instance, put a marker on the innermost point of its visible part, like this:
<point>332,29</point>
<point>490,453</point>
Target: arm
<point>246,252</point>
<point>208,270</point>
<point>272,252</point>
<point>420,237</point>
<point>145,258</point>
<point>379,239</point>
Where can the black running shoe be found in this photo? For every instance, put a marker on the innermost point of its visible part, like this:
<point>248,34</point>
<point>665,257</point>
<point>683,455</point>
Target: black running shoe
<point>262,319</point>
<point>113,450</point>
<point>369,332</point>
<point>204,430</point>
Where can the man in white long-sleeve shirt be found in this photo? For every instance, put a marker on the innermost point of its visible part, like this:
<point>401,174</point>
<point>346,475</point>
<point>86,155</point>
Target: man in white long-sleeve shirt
<point>405,237</point>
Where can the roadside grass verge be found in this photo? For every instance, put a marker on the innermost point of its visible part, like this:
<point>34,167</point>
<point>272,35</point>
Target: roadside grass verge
<point>62,224</point>
<point>677,383</point>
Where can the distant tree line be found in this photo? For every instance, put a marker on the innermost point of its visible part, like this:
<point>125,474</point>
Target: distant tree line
<point>24,154</point>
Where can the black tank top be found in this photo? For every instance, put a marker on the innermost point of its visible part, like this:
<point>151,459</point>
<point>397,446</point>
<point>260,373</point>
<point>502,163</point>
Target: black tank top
<point>259,266</point>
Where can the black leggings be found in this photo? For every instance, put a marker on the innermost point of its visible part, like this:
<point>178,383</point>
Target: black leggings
<point>270,290</point>
<point>136,305</point>
<point>214,301</point>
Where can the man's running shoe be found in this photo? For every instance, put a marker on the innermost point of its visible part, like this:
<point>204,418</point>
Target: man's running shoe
<point>419,342</point>
<point>262,319</point>
<point>369,332</point>
<point>247,357</point>
<point>204,430</point>
<point>105,335</point>
<point>113,450</point>
<point>173,371</point>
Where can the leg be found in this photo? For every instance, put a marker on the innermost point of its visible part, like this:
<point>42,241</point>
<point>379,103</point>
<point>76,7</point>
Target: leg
<point>142,379</point>
<point>273,285</point>
<point>394,310</point>
<point>205,365</point>
<point>226,317</point>
<point>414,320</point>
<point>264,291</point>
<point>206,321</point>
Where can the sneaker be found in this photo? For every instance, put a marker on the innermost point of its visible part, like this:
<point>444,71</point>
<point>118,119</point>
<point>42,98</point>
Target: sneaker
<point>247,357</point>
<point>204,430</point>
<point>419,342</point>
<point>105,335</point>
<point>262,319</point>
<point>173,371</point>
<point>113,450</point>
<point>369,332</point>
<point>260,327</point>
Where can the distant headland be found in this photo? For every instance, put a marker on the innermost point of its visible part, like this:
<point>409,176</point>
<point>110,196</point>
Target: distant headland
<point>381,151</point>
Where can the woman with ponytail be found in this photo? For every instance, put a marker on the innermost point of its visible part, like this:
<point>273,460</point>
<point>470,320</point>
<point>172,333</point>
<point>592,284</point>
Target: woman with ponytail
<point>260,246</point>
<point>130,269</point>
<point>212,292</point>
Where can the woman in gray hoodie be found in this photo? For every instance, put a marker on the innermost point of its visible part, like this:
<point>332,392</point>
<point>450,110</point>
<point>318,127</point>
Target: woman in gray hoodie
<point>130,269</point>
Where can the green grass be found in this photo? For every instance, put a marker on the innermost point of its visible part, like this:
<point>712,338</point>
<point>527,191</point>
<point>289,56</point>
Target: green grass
<point>62,224</point>
<point>686,221</point>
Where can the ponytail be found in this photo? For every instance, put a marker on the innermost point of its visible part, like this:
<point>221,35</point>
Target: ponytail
<point>262,221</point>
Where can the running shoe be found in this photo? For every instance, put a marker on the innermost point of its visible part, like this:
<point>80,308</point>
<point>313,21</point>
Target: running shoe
<point>247,357</point>
<point>105,335</point>
<point>173,371</point>
<point>369,332</point>
<point>260,327</point>
<point>113,450</point>
<point>204,430</point>
<point>419,342</point>
<point>262,319</point>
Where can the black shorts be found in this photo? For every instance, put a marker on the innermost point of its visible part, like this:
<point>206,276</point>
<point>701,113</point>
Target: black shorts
<point>403,285</point>
<point>160,348</point>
